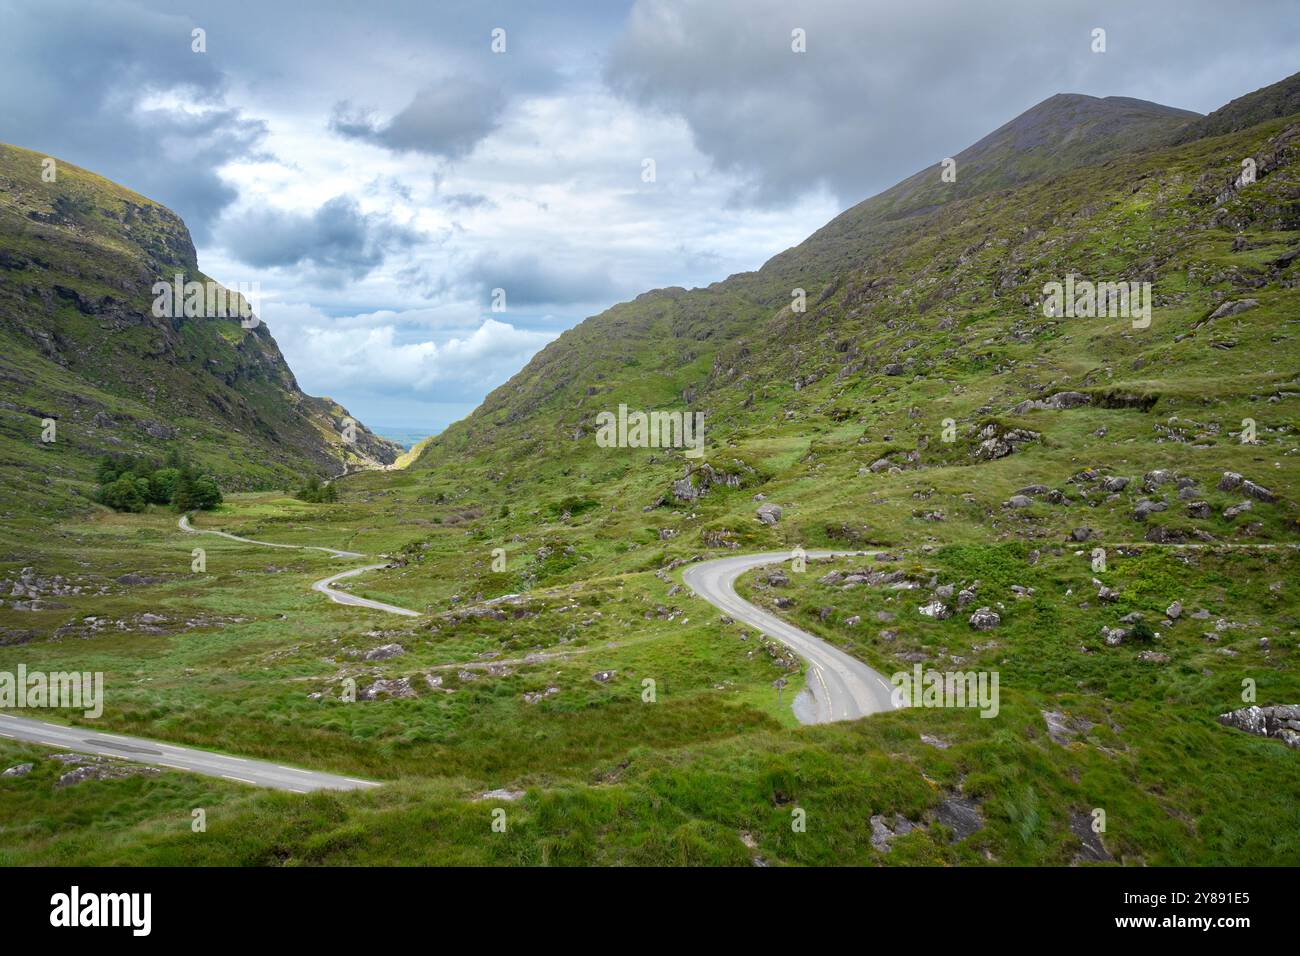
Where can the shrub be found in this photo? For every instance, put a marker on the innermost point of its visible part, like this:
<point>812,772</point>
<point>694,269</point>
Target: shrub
<point>125,493</point>
<point>317,493</point>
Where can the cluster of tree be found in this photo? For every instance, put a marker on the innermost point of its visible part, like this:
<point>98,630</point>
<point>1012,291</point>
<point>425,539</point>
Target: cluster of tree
<point>130,484</point>
<point>316,492</point>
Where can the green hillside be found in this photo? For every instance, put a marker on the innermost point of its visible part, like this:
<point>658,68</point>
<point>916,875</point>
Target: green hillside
<point>924,406</point>
<point>79,257</point>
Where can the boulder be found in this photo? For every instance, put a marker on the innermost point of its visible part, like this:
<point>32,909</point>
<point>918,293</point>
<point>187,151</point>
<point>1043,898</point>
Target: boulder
<point>384,652</point>
<point>1147,507</point>
<point>1258,492</point>
<point>985,619</point>
<point>937,610</point>
<point>768,513</point>
<point>1235,510</point>
<point>401,687</point>
<point>1280,721</point>
<point>1233,307</point>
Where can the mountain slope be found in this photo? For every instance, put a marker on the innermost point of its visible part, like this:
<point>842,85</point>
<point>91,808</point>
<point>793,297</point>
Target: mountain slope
<point>926,318</point>
<point>1063,132</point>
<point>1277,99</point>
<point>78,260</point>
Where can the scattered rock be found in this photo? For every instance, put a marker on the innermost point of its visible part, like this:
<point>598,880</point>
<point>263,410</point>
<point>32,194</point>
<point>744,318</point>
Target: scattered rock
<point>1092,849</point>
<point>962,815</point>
<point>502,794</point>
<point>401,687</point>
<point>1258,492</point>
<point>1063,728</point>
<point>937,610</point>
<point>883,835</point>
<point>385,652</point>
<point>1233,307</point>
<point>21,770</point>
<point>1238,509</point>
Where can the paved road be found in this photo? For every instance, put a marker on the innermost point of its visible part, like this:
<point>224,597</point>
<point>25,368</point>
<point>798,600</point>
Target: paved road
<point>255,772</point>
<point>185,525</point>
<point>343,597</point>
<point>323,585</point>
<point>843,688</point>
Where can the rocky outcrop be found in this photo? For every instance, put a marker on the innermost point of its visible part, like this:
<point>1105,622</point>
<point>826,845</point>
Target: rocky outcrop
<point>1279,721</point>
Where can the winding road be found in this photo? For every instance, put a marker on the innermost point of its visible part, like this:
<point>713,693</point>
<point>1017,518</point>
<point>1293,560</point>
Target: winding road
<point>842,687</point>
<point>323,585</point>
<point>258,773</point>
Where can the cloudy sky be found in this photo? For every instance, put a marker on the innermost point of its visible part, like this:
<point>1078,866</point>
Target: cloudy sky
<point>380,169</point>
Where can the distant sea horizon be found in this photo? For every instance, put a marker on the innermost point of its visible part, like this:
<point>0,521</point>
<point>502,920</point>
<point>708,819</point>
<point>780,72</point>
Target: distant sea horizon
<point>406,437</point>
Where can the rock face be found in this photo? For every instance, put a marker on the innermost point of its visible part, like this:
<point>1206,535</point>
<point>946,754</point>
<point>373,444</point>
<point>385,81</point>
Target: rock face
<point>698,481</point>
<point>1054,402</point>
<point>97,323</point>
<point>996,443</point>
<point>1280,721</point>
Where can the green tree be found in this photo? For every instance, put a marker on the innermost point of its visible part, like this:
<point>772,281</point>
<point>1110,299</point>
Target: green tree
<point>107,471</point>
<point>125,493</point>
<point>206,492</point>
<point>163,485</point>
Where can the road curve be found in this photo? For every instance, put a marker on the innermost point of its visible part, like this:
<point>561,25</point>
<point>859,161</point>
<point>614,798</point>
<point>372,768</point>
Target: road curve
<point>343,597</point>
<point>323,585</point>
<point>258,773</point>
<point>842,687</point>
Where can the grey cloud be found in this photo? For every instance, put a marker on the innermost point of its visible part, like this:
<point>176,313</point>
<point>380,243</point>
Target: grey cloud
<point>446,119</point>
<point>338,239</point>
<point>530,281</point>
<point>886,89</point>
<point>84,82</point>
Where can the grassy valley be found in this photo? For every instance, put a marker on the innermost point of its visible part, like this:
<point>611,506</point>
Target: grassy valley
<point>922,409</point>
